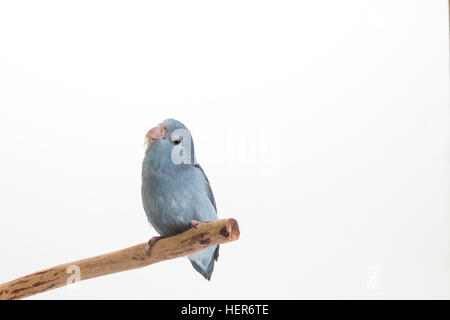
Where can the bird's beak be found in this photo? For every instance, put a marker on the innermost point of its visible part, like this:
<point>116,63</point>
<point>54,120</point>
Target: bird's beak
<point>156,133</point>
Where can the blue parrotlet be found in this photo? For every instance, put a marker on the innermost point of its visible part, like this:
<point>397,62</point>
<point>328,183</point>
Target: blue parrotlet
<point>176,193</point>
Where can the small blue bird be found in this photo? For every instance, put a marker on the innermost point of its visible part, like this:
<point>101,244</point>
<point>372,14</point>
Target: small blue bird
<point>176,193</point>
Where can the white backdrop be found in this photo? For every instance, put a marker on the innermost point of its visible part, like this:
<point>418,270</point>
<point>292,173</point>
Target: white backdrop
<point>323,127</point>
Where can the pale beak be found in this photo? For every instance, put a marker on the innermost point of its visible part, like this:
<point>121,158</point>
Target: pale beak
<point>156,133</point>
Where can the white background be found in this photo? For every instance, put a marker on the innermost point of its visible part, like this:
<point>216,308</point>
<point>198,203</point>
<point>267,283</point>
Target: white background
<point>323,127</point>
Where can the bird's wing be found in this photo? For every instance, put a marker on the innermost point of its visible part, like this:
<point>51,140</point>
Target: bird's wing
<point>203,261</point>
<point>208,187</point>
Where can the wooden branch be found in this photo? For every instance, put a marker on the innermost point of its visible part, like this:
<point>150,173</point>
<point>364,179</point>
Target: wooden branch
<point>205,235</point>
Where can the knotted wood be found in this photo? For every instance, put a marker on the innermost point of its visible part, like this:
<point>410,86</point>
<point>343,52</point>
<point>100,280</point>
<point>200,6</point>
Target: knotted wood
<point>204,235</point>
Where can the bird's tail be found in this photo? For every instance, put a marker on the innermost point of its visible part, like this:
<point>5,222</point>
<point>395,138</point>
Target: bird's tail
<point>203,261</point>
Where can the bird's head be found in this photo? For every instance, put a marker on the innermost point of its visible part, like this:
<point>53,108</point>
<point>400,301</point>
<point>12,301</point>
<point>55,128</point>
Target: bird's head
<point>170,145</point>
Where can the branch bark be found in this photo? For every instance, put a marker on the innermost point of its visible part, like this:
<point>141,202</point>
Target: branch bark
<point>205,235</point>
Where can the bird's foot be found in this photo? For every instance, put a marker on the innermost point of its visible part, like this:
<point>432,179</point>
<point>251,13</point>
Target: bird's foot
<point>194,224</point>
<point>150,243</point>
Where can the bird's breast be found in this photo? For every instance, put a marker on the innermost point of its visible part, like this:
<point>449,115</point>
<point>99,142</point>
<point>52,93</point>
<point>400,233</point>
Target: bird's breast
<point>167,203</point>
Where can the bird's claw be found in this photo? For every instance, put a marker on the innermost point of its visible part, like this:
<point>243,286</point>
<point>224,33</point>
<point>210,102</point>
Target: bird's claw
<point>150,243</point>
<point>194,224</point>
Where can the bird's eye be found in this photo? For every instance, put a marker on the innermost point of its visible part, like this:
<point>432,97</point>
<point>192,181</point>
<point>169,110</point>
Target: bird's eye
<point>177,141</point>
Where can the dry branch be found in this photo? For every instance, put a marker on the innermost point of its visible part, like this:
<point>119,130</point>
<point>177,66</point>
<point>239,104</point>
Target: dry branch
<point>205,235</point>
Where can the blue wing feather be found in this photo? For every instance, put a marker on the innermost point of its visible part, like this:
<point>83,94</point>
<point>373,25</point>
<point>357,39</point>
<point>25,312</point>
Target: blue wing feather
<point>209,190</point>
